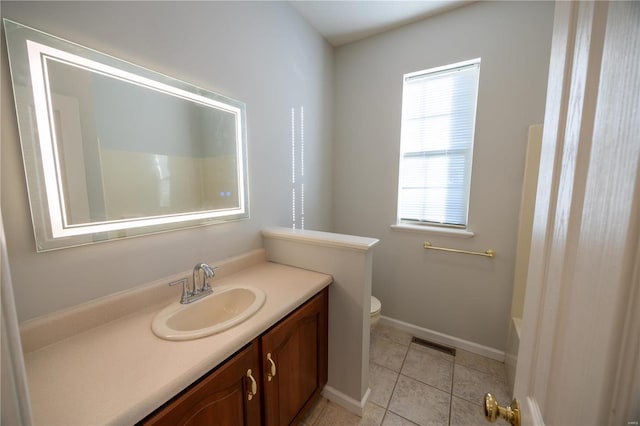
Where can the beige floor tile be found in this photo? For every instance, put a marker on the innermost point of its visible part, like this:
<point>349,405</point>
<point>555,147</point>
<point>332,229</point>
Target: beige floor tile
<point>420,403</point>
<point>391,333</point>
<point>423,364</point>
<point>464,413</point>
<point>434,352</point>
<point>472,384</point>
<point>480,363</point>
<point>422,386</point>
<point>381,382</point>
<point>387,353</point>
<point>334,415</point>
<point>373,414</point>
<point>315,411</point>
<point>392,419</point>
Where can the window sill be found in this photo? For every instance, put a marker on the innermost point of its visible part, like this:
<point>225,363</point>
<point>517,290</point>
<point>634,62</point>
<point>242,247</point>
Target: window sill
<point>449,232</point>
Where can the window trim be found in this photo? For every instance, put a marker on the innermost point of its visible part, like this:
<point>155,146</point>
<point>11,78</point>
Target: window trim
<point>429,226</point>
<point>436,230</point>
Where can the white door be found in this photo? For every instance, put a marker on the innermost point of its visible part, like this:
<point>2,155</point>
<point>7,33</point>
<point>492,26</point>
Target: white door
<point>578,362</point>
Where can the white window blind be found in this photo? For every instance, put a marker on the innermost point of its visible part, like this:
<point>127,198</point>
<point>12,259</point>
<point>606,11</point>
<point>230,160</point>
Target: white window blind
<point>438,121</point>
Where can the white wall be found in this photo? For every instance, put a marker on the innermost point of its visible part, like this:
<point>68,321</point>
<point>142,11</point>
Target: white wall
<point>467,297</point>
<point>261,53</point>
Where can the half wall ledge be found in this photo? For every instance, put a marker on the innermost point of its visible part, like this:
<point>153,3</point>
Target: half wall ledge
<point>349,260</point>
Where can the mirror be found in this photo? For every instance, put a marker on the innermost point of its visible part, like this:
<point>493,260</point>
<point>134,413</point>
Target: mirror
<point>114,150</point>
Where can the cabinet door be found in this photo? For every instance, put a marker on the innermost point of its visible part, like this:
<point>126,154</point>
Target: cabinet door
<point>296,350</point>
<point>221,398</point>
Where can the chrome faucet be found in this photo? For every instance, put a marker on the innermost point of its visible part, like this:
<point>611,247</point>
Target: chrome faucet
<point>208,273</point>
<point>191,293</point>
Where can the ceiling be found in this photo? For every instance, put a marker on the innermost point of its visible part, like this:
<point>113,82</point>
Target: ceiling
<point>344,21</point>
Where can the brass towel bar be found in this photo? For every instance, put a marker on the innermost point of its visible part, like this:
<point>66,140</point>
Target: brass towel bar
<point>487,253</point>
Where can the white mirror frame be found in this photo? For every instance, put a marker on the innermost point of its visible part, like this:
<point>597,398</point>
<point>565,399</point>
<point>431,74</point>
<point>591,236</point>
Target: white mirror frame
<point>41,156</point>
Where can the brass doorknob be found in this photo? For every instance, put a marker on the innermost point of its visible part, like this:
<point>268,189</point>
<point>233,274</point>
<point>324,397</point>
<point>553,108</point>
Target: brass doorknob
<point>492,410</point>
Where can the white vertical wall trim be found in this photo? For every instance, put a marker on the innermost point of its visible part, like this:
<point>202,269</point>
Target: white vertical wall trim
<point>297,172</point>
<point>301,167</point>
<point>16,404</point>
<point>293,168</point>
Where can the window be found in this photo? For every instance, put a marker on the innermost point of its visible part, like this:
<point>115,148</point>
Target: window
<point>438,121</point>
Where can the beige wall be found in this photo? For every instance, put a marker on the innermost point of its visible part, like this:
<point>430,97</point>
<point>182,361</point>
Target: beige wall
<point>466,297</point>
<point>525,222</point>
<point>194,183</point>
<point>261,53</point>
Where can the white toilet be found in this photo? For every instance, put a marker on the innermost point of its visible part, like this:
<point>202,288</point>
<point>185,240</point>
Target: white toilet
<point>376,307</point>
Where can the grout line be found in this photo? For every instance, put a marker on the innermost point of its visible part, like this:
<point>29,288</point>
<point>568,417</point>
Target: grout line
<point>426,384</point>
<point>453,372</point>
<point>322,410</point>
<point>386,409</point>
<point>402,417</point>
<point>454,364</point>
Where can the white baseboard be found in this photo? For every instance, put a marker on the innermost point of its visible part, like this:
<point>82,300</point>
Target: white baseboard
<point>345,401</point>
<point>444,339</point>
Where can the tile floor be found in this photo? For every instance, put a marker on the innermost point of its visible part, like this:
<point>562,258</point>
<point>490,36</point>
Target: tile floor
<point>415,385</point>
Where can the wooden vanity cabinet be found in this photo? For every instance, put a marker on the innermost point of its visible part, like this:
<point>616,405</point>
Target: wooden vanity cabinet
<point>296,351</point>
<point>221,398</point>
<point>288,363</point>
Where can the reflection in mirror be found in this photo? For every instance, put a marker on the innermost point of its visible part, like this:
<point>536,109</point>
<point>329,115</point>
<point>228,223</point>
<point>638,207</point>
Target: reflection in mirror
<point>114,150</point>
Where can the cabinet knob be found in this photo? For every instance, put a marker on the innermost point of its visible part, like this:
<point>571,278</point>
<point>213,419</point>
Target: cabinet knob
<point>254,386</point>
<point>272,372</point>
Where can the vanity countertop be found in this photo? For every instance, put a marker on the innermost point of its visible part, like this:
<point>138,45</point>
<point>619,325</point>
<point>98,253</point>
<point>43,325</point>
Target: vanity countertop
<point>119,372</point>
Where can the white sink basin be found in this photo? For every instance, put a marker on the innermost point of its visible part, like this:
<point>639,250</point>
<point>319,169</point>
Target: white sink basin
<point>225,308</point>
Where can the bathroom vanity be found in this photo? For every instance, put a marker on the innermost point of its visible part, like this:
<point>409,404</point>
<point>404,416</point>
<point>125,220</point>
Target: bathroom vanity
<point>102,364</point>
<point>285,369</point>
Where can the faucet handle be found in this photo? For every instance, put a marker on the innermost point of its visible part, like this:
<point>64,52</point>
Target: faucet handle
<point>208,273</point>
<point>185,291</point>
